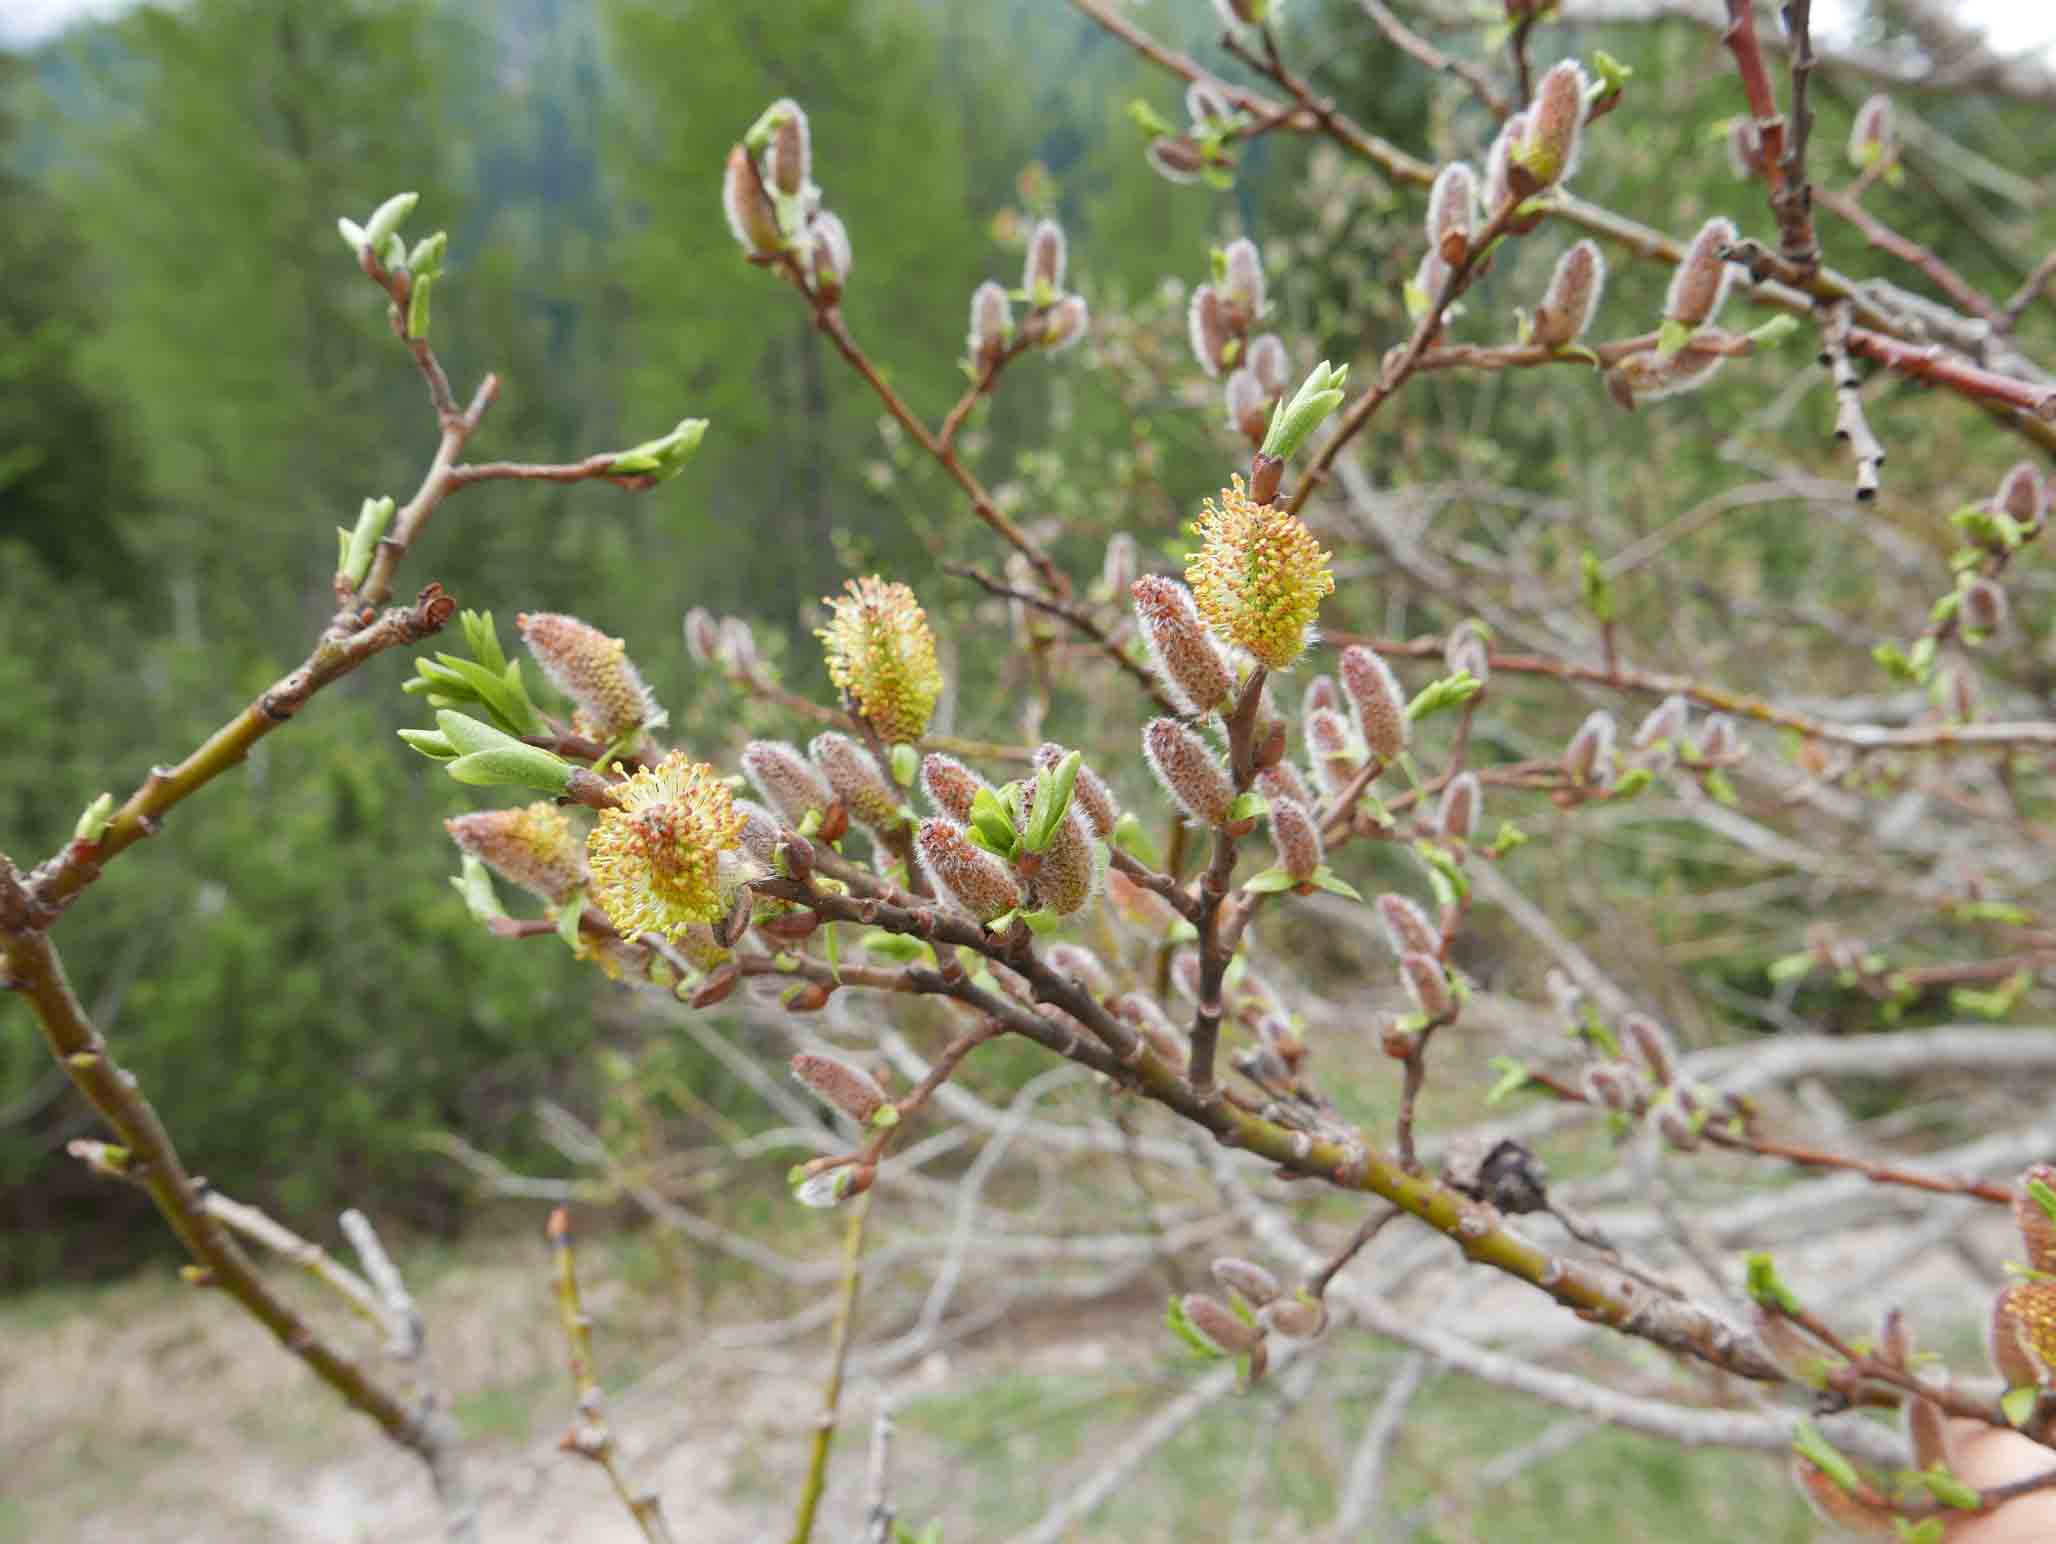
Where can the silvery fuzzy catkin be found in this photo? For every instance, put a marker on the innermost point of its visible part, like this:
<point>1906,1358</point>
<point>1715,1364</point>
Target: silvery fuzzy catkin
<point>1296,838</point>
<point>1572,299</point>
<point>950,785</point>
<point>1462,800</point>
<point>1380,703</point>
<point>970,876</point>
<point>1407,928</point>
<point>785,779</point>
<point>1188,770</point>
<point>1700,281</point>
<point>1189,663</point>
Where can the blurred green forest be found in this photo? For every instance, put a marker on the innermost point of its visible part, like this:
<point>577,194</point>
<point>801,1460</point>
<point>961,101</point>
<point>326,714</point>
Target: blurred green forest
<point>196,386</point>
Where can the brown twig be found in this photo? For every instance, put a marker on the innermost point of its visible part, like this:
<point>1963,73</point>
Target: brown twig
<point>1412,44</point>
<point>590,1437</point>
<point>1962,294</point>
<point>1240,723</point>
<point>1077,618</point>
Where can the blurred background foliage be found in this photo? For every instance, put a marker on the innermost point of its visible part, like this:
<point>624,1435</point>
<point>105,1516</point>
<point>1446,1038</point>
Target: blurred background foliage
<point>195,386</point>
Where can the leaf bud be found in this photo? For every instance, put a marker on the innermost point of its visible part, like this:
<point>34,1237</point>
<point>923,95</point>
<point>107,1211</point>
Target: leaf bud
<point>850,1089</point>
<point>1572,299</point>
<point>786,780</point>
<point>1188,661</point>
<point>1318,396</point>
<point>1188,770</point>
<point>1380,703</point>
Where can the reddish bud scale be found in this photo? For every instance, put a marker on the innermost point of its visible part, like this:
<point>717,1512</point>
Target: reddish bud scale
<point>850,1089</point>
<point>1188,770</point>
<point>1700,282</point>
<point>1256,1285</point>
<point>950,785</point>
<point>1407,928</point>
<point>1461,801</point>
<point>1380,703</point>
<point>785,779</point>
<point>967,875</point>
<point>751,217</point>
<point>1188,661</point>
<point>1296,838</point>
<point>590,668</point>
<point>1572,299</point>
<point>1218,1325</point>
<point>534,847</point>
<point>1296,1318</point>
<point>852,773</point>
<point>1284,781</point>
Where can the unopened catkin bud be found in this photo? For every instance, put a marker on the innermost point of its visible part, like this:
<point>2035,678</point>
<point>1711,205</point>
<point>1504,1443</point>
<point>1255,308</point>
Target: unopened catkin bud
<point>1333,749</point>
<point>1218,1325</point>
<point>1176,158</point>
<point>1082,966</point>
<point>1499,189</point>
<point>992,320</point>
<point>1297,839</point>
<point>1549,151</point>
<point>1297,1318</point>
<point>702,636</point>
<point>1700,282</point>
<point>1461,802</point>
<point>850,1089</point>
<point>1652,1042</point>
<point>967,875</point>
<point>760,832</point>
<point>1283,780</point>
<point>1983,606</point>
<point>790,159</point>
<point>1870,136</point>
<point>1242,280</point>
<point>590,668</point>
<point>1321,692</point>
<point>1189,771</point>
<point>1155,1027</point>
<point>1745,148</point>
<point>1248,405</point>
<point>1256,1285</point>
<point>1380,703</point>
<point>1572,299</point>
<point>751,217</point>
<point>1611,1086</point>
<point>1269,363</point>
<point>1188,661</point>
<point>1452,211</point>
<point>1043,275</point>
<point>950,785</point>
<point>1407,928</point>
<point>1589,757</point>
<point>1205,104</point>
<point>1065,881</point>
<point>1466,651</point>
<point>1067,322</point>
<point>785,779</point>
<point>853,773</point>
<point>1720,742</point>
<point>1426,983</point>
<point>1207,329</point>
<point>831,254</point>
<point>534,847</point>
<point>1676,1127</point>
<point>1650,376</point>
<point>1117,567</point>
<point>738,646</point>
<point>1666,721</point>
<point>2022,494</point>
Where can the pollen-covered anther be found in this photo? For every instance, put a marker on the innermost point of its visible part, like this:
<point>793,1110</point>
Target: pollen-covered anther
<point>534,847</point>
<point>590,668</point>
<point>854,776</point>
<point>881,656</point>
<point>661,859</point>
<point>1259,577</point>
<point>1297,839</point>
<point>1380,703</point>
<point>786,780</point>
<point>968,875</point>
<point>1572,299</point>
<point>850,1089</point>
<point>1189,663</point>
<point>1189,771</point>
